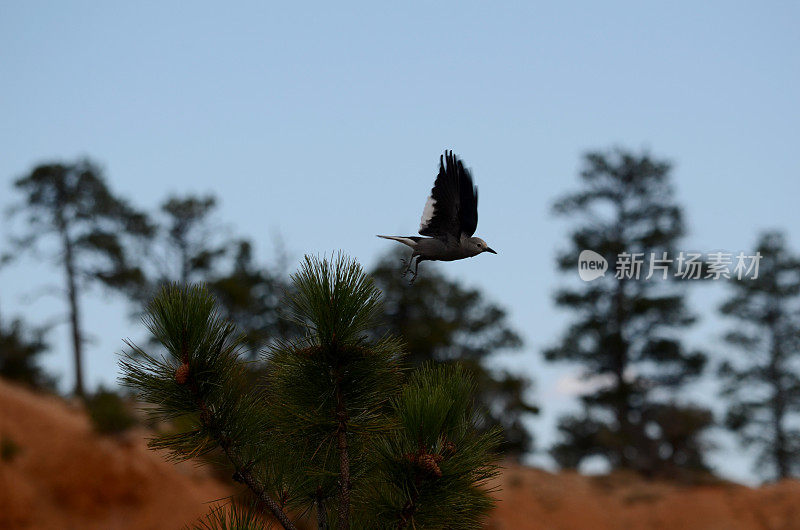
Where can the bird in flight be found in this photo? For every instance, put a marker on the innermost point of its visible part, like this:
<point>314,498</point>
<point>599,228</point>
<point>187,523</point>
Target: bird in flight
<point>449,218</point>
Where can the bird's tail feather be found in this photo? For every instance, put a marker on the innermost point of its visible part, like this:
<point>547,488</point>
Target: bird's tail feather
<point>404,240</point>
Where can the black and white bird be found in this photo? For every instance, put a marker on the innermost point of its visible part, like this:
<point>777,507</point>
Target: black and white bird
<point>449,218</point>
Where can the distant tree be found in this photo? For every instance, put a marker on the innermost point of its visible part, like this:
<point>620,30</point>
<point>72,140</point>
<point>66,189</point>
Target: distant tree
<point>194,247</point>
<point>676,449</point>
<point>20,349</point>
<point>251,297</point>
<point>72,205</point>
<point>193,242</point>
<point>442,321</point>
<point>109,412</point>
<point>762,385</point>
<point>338,434</point>
<point>626,332</point>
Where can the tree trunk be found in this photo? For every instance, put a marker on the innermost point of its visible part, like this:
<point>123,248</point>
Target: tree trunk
<point>780,454</point>
<point>72,294</point>
<point>780,450</point>
<point>184,264</point>
<point>622,409</point>
<point>322,514</point>
<point>344,462</point>
<point>74,314</point>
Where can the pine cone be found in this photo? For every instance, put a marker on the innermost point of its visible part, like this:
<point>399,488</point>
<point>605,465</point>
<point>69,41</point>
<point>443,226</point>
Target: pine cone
<point>429,464</point>
<point>449,447</point>
<point>182,374</point>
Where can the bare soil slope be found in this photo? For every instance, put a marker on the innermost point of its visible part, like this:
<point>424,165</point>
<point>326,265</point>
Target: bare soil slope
<point>534,499</point>
<point>67,477</point>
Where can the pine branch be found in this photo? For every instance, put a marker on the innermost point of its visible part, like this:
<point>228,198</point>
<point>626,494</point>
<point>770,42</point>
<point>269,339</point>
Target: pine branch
<point>208,383</point>
<point>245,477</point>
<point>344,460</point>
<point>242,472</point>
<point>322,514</point>
<point>433,471</point>
<point>232,517</point>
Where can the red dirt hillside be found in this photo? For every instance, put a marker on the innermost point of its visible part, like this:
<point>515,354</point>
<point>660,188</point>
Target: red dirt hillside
<point>67,477</point>
<point>537,500</point>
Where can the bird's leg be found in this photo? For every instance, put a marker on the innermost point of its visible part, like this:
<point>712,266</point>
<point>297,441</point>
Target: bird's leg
<point>416,271</point>
<point>407,264</point>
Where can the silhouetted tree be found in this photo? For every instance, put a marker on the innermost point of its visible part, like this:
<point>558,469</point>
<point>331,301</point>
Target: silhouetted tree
<point>625,334</point>
<point>193,242</point>
<point>762,385</point>
<point>20,349</point>
<point>72,205</point>
<point>442,321</point>
<point>191,246</point>
<point>251,297</point>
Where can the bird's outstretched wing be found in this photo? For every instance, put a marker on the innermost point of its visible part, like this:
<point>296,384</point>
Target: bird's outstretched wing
<point>452,208</point>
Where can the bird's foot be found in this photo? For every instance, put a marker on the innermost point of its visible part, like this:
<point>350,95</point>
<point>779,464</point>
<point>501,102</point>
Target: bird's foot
<point>406,267</point>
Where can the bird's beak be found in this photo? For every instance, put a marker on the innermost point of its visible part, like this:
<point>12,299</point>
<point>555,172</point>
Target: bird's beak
<point>490,250</point>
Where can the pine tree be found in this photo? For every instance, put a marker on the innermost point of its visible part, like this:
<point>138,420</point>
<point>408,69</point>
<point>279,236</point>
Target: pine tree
<point>442,321</point>
<point>72,205</point>
<point>250,295</point>
<point>762,386</point>
<point>336,429</point>
<point>191,239</point>
<point>20,349</point>
<point>625,334</point>
<point>191,246</point>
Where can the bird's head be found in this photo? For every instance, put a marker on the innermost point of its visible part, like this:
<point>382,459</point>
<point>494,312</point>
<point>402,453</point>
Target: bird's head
<point>478,245</point>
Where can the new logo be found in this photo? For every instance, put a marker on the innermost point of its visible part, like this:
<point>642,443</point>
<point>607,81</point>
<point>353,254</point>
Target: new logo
<point>591,265</point>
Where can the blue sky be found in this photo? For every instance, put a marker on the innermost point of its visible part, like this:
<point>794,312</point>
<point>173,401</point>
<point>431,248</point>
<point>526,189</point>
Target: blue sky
<point>324,122</point>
